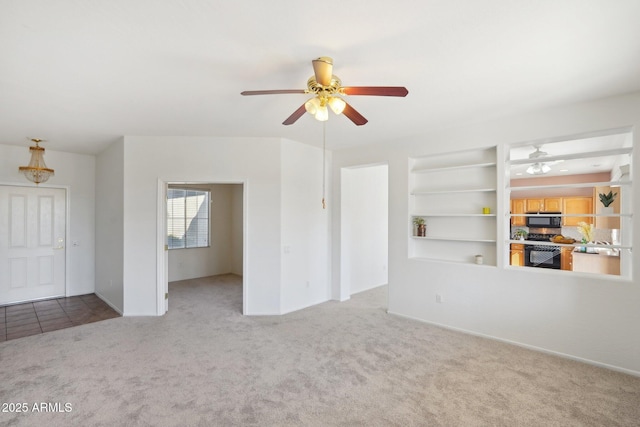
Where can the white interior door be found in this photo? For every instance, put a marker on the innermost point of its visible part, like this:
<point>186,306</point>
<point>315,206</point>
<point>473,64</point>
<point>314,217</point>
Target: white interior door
<point>32,243</point>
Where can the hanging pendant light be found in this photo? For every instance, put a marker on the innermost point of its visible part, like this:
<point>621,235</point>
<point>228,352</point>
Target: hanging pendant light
<point>37,171</point>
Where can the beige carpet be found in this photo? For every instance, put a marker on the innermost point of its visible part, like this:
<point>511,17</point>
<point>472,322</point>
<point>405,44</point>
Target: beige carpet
<point>337,364</point>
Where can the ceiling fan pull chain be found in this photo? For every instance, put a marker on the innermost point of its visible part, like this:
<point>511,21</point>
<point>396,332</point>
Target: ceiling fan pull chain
<point>324,154</point>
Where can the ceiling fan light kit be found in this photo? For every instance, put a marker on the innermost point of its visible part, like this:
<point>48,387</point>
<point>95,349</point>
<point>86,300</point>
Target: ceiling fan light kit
<point>328,90</point>
<point>337,104</point>
<point>538,169</point>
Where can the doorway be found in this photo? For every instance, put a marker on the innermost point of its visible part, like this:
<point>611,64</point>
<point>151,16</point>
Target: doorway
<point>364,228</point>
<point>32,243</point>
<point>191,252</point>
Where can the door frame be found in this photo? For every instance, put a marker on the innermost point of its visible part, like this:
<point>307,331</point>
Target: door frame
<point>162,254</point>
<point>67,219</point>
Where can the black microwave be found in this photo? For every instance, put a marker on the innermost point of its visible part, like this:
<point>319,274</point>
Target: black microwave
<point>544,219</point>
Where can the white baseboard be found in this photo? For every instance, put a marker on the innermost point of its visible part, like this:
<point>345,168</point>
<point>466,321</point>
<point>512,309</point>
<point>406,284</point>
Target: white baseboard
<point>527,346</point>
<point>109,304</point>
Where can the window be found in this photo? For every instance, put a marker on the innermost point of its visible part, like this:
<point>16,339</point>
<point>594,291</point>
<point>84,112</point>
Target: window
<point>187,218</point>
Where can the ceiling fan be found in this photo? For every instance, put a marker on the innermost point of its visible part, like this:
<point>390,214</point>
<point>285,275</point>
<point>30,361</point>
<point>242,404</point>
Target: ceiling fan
<point>327,90</point>
<point>539,167</point>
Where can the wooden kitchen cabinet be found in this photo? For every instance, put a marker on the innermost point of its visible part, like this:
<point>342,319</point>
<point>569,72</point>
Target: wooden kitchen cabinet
<point>553,204</point>
<point>548,204</point>
<point>522,206</point>
<point>576,206</point>
<point>566,259</point>
<point>518,206</point>
<point>517,255</point>
<point>565,205</point>
<point>534,205</point>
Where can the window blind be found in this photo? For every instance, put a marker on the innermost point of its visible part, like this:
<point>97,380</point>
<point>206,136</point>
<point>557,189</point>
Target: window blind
<point>187,218</point>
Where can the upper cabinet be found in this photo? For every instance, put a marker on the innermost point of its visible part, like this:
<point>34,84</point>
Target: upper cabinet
<point>455,195</point>
<point>543,205</point>
<point>518,207</point>
<point>553,204</point>
<point>577,206</point>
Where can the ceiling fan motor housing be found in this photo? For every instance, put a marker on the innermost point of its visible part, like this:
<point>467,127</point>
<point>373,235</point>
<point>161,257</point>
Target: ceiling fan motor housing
<point>332,89</point>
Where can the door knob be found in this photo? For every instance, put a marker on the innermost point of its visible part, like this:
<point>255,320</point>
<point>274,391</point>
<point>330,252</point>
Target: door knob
<point>60,244</point>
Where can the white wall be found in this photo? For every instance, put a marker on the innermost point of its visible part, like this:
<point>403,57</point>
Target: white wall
<point>584,317</point>
<point>110,225</point>
<point>256,162</point>
<point>220,256</point>
<point>364,225</point>
<point>305,231</point>
<point>77,173</point>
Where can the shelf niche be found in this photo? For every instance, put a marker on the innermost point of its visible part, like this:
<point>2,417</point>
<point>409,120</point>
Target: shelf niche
<point>450,191</point>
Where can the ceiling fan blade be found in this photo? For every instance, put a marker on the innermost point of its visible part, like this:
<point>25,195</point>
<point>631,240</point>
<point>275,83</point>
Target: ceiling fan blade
<point>271,92</point>
<point>376,90</point>
<point>353,115</point>
<point>295,116</point>
<point>323,69</point>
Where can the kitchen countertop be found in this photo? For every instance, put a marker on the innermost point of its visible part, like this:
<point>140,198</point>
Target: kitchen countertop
<point>603,252</point>
<point>600,263</point>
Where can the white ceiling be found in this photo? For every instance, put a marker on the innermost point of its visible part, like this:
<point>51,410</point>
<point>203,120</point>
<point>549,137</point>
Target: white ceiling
<point>574,166</point>
<point>82,73</point>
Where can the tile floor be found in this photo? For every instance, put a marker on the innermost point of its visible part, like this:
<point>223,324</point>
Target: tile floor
<point>21,320</point>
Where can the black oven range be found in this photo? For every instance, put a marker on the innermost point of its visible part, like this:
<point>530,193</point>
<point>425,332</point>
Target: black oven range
<point>543,256</point>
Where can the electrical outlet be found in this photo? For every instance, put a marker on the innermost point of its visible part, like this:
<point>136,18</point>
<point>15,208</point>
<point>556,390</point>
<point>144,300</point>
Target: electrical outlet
<point>439,298</point>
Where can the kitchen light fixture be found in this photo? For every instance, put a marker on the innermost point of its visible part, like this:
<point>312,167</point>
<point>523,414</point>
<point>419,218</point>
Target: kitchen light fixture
<point>37,171</point>
<point>538,169</point>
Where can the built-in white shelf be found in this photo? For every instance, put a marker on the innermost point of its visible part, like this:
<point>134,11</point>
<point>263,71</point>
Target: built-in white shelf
<point>451,191</point>
<point>471,262</point>
<point>454,239</point>
<point>459,185</point>
<point>455,167</point>
<point>445,214</point>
